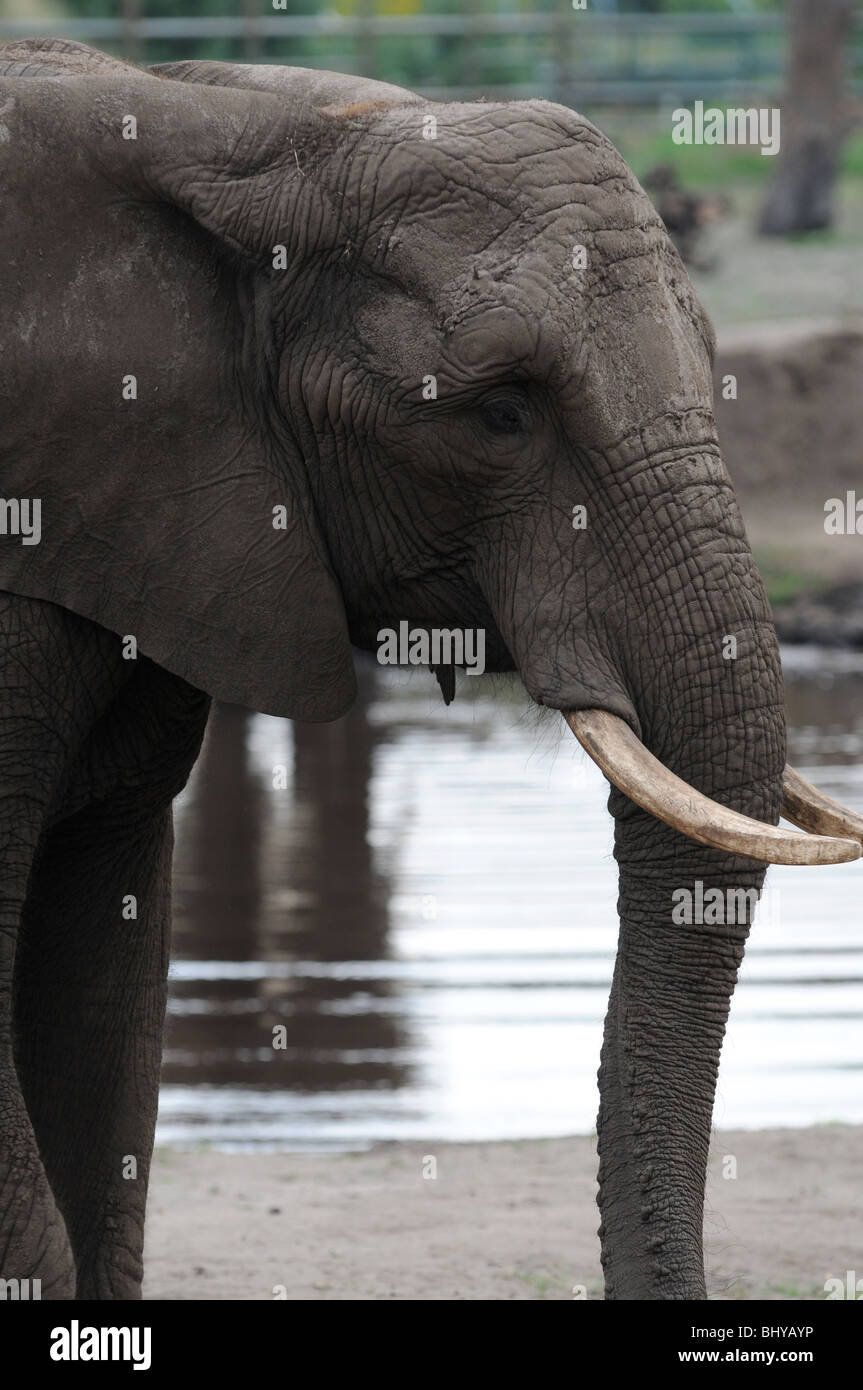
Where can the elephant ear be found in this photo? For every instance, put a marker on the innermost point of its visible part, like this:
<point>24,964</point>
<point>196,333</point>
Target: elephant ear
<point>173,499</point>
<point>309,86</point>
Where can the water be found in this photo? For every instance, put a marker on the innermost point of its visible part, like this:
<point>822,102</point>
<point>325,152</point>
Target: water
<point>426,908</point>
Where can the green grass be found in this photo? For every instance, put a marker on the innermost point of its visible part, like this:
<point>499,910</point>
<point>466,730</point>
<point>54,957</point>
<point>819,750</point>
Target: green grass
<point>813,1294</point>
<point>788,1292</point>
<point>783,583</point>
<point>827,236</point>
<point>644,144</point>
<point>851,163</point>
<point>558,1282</point>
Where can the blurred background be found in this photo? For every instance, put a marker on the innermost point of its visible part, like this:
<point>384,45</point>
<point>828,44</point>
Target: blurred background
<point>424,898</point>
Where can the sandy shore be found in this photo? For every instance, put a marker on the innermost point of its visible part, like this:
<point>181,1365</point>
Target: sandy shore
<point>500,1221</point>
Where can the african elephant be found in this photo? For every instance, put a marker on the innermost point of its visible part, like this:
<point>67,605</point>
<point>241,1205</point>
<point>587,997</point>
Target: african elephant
<point>288,358</point>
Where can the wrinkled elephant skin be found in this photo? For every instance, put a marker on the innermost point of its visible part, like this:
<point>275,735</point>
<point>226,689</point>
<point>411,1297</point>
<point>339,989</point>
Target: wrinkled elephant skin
<point>289,358</point>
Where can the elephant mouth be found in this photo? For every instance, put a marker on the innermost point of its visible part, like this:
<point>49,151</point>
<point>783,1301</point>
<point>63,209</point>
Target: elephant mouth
<point>834,833</point>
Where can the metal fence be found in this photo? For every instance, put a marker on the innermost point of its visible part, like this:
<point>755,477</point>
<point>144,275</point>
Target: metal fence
<point>580,57</point>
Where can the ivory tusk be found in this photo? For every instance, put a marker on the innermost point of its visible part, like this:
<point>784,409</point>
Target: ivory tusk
<point>806,806</point>
<point>646,781</point>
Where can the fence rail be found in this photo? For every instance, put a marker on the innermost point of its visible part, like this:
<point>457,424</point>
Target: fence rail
<point>572,55</point>
<point>330,22</point>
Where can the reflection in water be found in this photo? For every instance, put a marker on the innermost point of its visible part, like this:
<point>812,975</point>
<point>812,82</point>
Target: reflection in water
<point>424,900</point>
<point>219,902</point>
<point>274,867</point>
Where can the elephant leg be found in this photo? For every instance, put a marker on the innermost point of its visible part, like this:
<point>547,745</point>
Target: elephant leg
<point>58,674</point>
<point>91,989</point>
<point>33,1238</point>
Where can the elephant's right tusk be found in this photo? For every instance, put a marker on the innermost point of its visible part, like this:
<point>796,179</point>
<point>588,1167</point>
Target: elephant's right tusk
<point>806,806</point>
<point>645,780</point>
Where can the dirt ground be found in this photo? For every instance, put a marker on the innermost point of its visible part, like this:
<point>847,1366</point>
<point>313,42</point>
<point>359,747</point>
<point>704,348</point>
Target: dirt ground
<point>789,322</point>
<point>499,1221</point>
<point>792,440</point>
<point>755,279</point>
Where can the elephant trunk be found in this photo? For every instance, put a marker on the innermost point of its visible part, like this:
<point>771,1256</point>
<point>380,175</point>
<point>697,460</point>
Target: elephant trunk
<point>672,990</point>
<point>664,1028</point>
<point>685,910</point>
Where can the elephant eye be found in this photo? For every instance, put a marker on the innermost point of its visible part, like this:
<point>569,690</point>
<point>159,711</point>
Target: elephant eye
<point>505,415</point>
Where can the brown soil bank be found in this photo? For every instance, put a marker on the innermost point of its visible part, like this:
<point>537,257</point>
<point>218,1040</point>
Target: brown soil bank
<point>498,1222</point>
<point>792,440</point>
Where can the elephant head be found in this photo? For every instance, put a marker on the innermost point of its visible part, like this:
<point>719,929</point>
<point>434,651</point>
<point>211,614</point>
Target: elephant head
<point>295,358</point>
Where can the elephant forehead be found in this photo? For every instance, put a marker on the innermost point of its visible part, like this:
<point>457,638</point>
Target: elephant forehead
<point>483,167</point>
<point>524,230</point>
<point>523,194</point>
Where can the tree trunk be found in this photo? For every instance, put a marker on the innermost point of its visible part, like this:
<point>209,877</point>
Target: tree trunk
<point>814,119</point>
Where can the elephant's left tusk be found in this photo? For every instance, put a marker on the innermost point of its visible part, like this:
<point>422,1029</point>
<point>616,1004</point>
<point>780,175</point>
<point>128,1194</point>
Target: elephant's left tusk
<point>806,806</point>
<point>646,781</point>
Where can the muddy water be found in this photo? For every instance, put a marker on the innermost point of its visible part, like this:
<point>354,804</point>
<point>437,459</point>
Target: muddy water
<point>421,911</point>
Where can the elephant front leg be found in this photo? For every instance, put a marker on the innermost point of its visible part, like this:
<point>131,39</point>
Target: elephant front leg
<point>34,1245</point>
<point>91,989</point>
